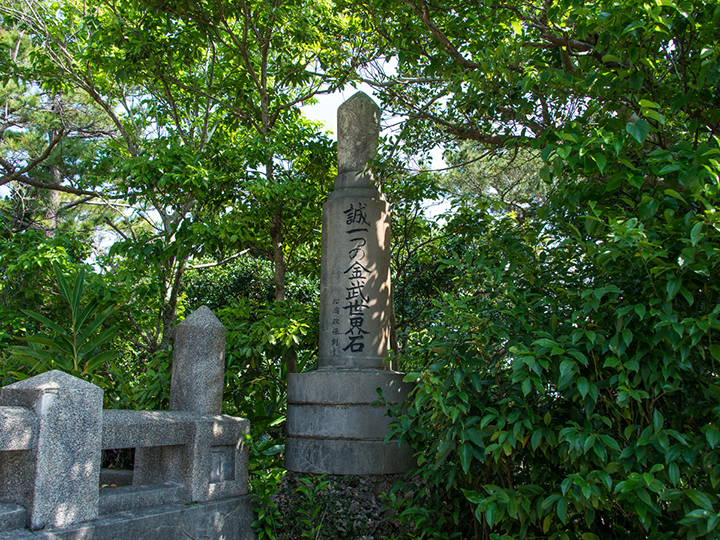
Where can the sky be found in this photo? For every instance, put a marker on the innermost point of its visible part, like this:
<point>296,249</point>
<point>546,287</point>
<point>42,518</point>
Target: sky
<point>325,110</point>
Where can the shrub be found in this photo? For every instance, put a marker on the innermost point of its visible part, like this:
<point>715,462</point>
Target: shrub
<point>570,388</point>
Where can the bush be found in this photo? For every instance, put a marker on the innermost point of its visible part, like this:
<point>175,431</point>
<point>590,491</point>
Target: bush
<point>570,389</point>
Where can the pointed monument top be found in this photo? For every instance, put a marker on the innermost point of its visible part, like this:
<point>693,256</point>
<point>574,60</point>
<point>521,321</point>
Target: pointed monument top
<point>202,317</point>
<point>358,121</point>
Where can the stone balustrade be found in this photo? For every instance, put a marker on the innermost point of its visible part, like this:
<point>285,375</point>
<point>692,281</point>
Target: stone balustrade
<point>190,475</point>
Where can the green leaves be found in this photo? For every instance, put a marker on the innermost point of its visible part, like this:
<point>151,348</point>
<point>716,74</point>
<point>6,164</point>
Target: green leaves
<point>700,498</point>
<point>696,234</point>
<point>600,353</point>
<point>638,129</point>
<point>567,373</point>
<point>583,386</point>
<point>75,350</point>
<point>673,286</point>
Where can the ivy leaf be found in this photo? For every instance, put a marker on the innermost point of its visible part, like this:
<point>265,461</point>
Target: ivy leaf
<point>713,436</point>
<point>562,508</point>
<point>700,498</point>
<point>639,130</point>
<point>567,370</point>
<point>674,473</point>
<point>601,161</point>
<point>655,116</point>
<point>583,386</point>
<point>465,456</point>
<point>490,514</point>
<point>673,286</point>
<point>696,233</point>
<point>545,174</point>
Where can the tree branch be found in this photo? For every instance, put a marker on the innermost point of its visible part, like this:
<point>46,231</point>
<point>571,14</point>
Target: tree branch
<point>114,228</point>
<point>225,260</point>
<point>424,15</point>
<point>42,157</point>
<point>53,187</point>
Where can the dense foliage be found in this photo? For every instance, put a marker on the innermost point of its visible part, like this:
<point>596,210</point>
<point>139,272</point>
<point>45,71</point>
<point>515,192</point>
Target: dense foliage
<point>571,388</point>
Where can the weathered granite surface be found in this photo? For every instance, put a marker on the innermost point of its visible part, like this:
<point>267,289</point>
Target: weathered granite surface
<point>61,472</point>
<point>355,281</point>
<point>228,519</point>
<point>346,456</point>
<point>358,124</point>
<point>12,516</point>
<point>345,386</point>
<point>123,498</point>
<point>333,425</point>
<point>355,262</point>
<point>205,453</point>
<point>18,429</point>
<point>198,372</point>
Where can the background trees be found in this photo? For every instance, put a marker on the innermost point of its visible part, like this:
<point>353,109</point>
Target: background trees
<point>204,146</point>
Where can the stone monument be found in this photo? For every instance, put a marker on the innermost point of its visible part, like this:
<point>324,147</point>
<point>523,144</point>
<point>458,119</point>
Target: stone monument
<point>332,426</point>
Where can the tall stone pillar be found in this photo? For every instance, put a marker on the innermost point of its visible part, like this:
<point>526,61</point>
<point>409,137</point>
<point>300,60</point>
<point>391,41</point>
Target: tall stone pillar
<point>332,427</point>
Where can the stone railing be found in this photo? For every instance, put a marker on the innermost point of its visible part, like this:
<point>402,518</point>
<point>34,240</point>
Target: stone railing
<point>53,430</point>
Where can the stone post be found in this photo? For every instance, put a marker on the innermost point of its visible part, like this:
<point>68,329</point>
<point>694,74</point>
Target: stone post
<point>206,466</point>
<point>58,479</point>
<point>198,371</point>
<point>332,427</point>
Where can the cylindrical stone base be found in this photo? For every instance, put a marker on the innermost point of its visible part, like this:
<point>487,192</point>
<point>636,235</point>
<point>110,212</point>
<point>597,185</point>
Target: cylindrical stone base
<point>338,456</point>
<point>334,427</point>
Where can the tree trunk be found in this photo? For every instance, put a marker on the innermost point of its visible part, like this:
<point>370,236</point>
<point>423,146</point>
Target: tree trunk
<point>53,200</point>
<point>169,309</point>
<point>276,237</point>
<point>53,203</point>
<point>279,266</point>
<point>278,257</point>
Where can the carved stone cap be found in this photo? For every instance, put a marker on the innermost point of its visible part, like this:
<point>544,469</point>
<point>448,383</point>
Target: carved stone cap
<point>28,393</point>
<point>52,380</point>
<point>202,317</point>
<point>358,121</point>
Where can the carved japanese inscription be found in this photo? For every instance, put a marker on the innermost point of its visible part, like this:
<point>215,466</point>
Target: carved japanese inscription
<point>357,301</point>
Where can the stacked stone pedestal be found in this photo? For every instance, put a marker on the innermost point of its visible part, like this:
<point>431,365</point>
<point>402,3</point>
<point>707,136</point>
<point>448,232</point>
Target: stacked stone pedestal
<point>333,427</point>
<point>334,423</point>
